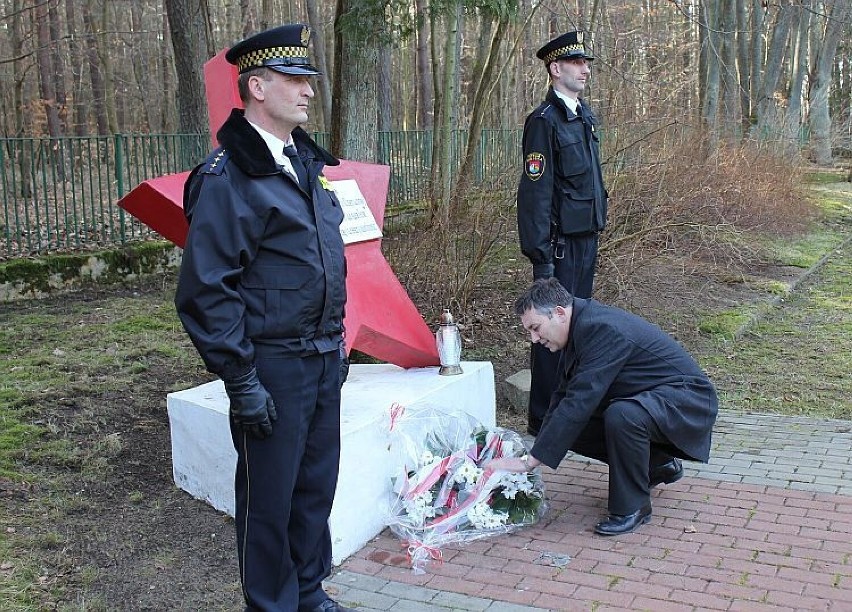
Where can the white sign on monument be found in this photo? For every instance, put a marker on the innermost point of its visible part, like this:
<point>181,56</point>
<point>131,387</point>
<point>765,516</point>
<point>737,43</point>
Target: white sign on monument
<point>358,222</point>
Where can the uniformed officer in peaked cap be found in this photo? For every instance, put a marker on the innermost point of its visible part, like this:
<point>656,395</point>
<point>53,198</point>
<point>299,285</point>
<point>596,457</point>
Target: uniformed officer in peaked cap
<point>562,202</point>
<point>567,46</point>
<point>283,49</point>
<point>261,294</point>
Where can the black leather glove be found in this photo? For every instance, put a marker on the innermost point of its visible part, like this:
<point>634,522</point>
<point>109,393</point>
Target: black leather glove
<point>344,364</point>
<point>251,405</point>
<point>544,270</point>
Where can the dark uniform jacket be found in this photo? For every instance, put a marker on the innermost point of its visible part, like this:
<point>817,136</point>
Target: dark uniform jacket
<point>263,262</point>
<point>561,189</point>
<point>612,354</point>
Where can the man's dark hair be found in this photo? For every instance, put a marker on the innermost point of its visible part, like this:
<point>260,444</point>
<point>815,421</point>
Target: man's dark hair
<point>544,295</point>
<point>243,79</point>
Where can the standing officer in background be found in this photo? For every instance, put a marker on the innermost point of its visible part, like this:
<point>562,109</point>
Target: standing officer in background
<point>561,197</point>
<point>628,395</point>
<point>261,294</point>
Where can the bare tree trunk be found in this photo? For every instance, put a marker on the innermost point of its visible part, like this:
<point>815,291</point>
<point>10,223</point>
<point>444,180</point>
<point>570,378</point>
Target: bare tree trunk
<point>323,84</point>
<point>20,126</point>
<point>355,92</point>
<point>798,70</point>
<point>838,13</point>
<point>75,52</point>
<point>758,25</point>
<point>167,119</point>
<point>709,20</point>
<point>434,71</point>
<point>484,88</point>
<point>482,50</point>
<point>248,19</point>
<point>188,24</point>
<point>95,74</point>
<point>59,68</point>
<point>687,63</point>
<point>385,112</point>
<point>141,73</point>
<point>650,24</point>
<point>404,75</point>
<point>743,71</point>
<point>766,106</point>
<point>105,59</point>
<point>731,116</point>
<point>46,72</point>
<point>442,162</point>
<point>425,90</point>
<point>265,15</point>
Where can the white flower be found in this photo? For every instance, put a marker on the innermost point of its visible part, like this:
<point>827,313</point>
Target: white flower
<point>514,483</point>
<point>419,508</point>
<point>467,473</point>
<point>427,457</point>
<point>482,516</point>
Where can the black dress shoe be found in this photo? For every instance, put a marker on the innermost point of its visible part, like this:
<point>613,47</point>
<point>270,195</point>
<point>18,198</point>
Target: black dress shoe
<point>667,473</point>
<point>616,524</point>
<point>329,605</point>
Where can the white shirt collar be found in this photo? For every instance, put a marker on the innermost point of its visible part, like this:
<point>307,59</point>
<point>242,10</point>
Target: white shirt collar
<point>275,144</point>
<point>571,103</point>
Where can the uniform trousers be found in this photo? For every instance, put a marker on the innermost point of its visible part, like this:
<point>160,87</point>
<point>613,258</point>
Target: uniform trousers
<point>285,484</point>
<point>575,270</point>
<point>626,437</point>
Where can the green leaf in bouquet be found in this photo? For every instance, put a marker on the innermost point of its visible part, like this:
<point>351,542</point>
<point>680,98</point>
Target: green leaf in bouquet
<point>479,436</point>
<point>521,510</point>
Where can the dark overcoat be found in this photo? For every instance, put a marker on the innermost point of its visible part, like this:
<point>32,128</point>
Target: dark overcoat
<point>611,355</point>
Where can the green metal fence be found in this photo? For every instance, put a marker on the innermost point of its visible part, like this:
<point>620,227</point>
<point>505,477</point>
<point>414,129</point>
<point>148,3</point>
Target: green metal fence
<point>60,194</point>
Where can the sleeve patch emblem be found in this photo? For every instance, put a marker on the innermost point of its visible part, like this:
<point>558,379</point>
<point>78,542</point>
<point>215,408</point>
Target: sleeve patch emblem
<point>534,166</point>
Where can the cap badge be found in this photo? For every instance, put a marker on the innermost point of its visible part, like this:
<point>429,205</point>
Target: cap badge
<point>306,36</point>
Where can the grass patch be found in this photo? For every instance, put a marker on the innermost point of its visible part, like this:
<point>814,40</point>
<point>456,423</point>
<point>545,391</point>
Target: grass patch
<point>823,177</point>
<point>15,435</point>
<point>726,323</point>
<point>796,360</point>
<point>806,251</point>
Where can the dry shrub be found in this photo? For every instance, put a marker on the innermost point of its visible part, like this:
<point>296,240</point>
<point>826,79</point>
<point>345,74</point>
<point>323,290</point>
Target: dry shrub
<point>441,264</point>
<point>692,207</point>
<point>677,218</point>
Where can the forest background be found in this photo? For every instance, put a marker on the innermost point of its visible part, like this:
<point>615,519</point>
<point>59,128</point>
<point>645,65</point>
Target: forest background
<point>727,70</point>
<point>709,107</point>
<point>712,113</point>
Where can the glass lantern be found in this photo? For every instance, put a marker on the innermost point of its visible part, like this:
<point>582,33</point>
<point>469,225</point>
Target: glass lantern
<point>448,339</point>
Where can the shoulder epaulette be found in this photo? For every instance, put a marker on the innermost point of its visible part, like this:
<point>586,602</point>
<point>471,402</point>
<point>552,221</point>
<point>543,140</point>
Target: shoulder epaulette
<point>215,164</point>
<point>542,110</point>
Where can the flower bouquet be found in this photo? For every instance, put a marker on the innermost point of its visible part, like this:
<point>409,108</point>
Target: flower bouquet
<point>443,493</point>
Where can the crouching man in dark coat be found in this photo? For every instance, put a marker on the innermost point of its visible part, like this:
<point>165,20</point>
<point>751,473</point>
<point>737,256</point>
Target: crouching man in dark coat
<point>629,395</point>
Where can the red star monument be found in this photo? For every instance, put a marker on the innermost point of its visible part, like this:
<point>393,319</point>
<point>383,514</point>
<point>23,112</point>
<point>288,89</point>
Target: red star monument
<point>381,319</point>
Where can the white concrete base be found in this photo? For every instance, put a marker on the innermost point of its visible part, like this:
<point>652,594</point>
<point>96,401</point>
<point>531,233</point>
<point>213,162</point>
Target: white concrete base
<point>203,456</point>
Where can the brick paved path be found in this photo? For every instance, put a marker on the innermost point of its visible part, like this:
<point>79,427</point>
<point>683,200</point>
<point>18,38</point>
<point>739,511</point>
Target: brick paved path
<point>766,525</point>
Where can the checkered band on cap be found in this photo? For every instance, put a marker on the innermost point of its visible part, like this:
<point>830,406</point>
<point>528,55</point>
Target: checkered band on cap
<point>261,57</point>
<point>557,53</point>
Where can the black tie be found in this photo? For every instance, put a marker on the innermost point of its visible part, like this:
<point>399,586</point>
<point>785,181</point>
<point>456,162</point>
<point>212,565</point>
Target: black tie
<point>298,166</point>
